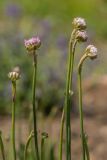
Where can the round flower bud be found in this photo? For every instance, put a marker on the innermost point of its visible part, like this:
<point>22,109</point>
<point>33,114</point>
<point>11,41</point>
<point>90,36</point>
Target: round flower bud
<point>16,69</point>
<point>81,36</point>
<point>14,75</point>
<point>91,51</point>
<point>32,44</point>
<point>79,23</point>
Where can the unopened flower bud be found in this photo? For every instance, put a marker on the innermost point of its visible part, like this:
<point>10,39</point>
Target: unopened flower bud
<point>14,75</point>
<point>91,51</point>
<point>16,69</point>
<point>81,36</point>
<point>32,44</point>
<point>79,23</point>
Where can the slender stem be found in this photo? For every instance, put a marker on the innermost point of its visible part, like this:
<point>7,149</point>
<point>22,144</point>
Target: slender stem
<point>30,125</point>
<point>44,136</point>
<point>68,98</point>
<point>81,115</point>
<point>72,63</point>
<point>13,118</point>
<point>42,148</point>
<point>86,148</point>
<point>61,135</point>
<point>27,145</point>
<point>2,147</point>
<point>34,107</point>
<point>80,103</point>
<point>70,88</point>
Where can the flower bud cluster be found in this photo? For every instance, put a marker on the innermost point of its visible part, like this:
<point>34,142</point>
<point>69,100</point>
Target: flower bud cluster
<point>79,26</point>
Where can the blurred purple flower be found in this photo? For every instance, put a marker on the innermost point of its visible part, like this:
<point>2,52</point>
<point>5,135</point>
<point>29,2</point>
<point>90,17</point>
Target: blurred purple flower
<point>46,29</point>
<point>62,45</point>
<point>13,10</point>
<point>46,25</point>
<point>62,42</point>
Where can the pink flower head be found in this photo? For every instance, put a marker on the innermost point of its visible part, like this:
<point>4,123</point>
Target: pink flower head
<point>32,44</point>
<point>79,23</point>
<point>91,51</point>
<point>81,36</point>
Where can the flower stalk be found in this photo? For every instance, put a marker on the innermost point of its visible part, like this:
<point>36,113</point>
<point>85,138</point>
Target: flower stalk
<point>68,98</point>
<point>61,135</point>
<point>78,24</point>
<point>13,117</point>
<point>2,147</point>
<point>86,147</point>
<point>32,45</point>
<point>14,76</point>
<point>90,52</point>
<point>34,105</point>
<point>27,144</point>
<point>44,137</point>
<point>80,103</point>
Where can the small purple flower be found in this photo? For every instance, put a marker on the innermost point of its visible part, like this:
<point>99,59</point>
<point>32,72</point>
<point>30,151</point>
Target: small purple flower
<point>32,44</point>
<point>13,10</point>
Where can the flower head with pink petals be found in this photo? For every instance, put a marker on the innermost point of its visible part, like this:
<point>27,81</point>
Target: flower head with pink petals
<point>91,51</point>
<point>79,23</point>
<point>32,44</point>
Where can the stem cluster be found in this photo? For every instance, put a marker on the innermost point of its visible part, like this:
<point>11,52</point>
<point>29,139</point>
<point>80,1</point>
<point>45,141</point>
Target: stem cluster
<point>78,35</point>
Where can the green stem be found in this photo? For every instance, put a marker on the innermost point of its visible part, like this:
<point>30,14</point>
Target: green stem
<point>80,103</point>
<point>34,107</point>
<point>44,136</point>
<point>61,135</point>
<point>2,147</point>
<point>13,118</point>
<point>68,97</point>
<point>86,148</point>
<point>27,145</point>
<point>42,149</point>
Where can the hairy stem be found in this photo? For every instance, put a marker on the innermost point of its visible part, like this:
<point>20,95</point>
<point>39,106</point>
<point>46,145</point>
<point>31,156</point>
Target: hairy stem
<point>34,106</point>
<point>2,147</point>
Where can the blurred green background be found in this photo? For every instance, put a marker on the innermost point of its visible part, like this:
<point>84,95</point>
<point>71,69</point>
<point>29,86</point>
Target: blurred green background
<point>52,21</point>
